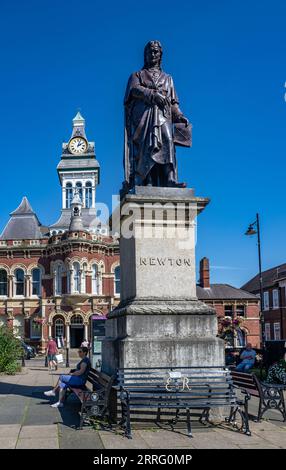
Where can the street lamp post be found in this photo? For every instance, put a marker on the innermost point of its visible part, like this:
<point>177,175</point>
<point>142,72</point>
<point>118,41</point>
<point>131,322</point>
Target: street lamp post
<point>252,231</point>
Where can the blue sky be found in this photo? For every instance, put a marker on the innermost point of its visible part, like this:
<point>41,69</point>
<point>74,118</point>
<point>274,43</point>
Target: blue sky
<point>227,59</point>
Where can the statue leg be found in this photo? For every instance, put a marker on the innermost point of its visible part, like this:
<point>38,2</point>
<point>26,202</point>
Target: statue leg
<point>152,177</point>
<point>170,177</point>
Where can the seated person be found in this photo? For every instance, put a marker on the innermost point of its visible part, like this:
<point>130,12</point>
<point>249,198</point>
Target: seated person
<point>277,372</point>
<point>247,359</point>
<point>76,378</point>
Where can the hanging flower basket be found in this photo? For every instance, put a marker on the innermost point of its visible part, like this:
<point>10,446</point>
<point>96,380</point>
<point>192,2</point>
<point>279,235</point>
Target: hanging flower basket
<point>228,326</point>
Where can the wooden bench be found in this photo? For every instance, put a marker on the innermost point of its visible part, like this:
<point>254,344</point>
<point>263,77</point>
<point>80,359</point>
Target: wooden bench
<point>94,398</point>
<point>270,396</point>
<point>181,390</point>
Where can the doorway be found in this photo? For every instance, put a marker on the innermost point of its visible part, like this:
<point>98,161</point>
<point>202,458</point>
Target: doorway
<point>76,331</point>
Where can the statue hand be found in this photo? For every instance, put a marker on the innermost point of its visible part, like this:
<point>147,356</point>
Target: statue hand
<point>160,100</point>
<point>184,120</point>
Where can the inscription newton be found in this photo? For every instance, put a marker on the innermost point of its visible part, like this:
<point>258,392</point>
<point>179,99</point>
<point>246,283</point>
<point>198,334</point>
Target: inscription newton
<point>146,261</point>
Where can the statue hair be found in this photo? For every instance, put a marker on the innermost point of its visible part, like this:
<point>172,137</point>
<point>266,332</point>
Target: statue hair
<point>148,45</point>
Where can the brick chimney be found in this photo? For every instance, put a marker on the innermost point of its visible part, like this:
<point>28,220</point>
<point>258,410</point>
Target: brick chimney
<point>204,273</point>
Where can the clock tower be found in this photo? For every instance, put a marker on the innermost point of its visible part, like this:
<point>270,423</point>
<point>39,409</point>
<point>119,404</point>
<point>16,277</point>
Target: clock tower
<point>78,172</point>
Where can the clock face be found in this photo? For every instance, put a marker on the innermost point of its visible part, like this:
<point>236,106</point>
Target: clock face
<point>78,145</point>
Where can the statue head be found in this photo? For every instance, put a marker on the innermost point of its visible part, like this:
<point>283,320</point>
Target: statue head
<point>153,54</point>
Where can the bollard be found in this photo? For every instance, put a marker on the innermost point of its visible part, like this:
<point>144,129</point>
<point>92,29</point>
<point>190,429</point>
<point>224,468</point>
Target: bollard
<point>67,357</point>
<point>23,360</point>
<point>46,361</point>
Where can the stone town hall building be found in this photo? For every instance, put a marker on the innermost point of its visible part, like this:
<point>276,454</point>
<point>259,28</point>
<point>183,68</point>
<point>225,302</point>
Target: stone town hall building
<point>59,280</point>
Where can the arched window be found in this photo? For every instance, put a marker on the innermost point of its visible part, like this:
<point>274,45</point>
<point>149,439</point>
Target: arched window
<point>58,281</point>
<point>19,281</point>
<point>59,328</point>
<point>117,280</point>
<point>96,280</point>
<point>76,277</point>
<point>3,282</point>
<point>36,282</point>
<point>76,320</point>
<point>68,195</point>
<point>78,185</point>
<point>83,279</point>
<point>88,195</point>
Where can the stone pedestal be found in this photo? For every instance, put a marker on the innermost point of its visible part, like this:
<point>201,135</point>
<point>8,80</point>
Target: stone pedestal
<point>159,321</point>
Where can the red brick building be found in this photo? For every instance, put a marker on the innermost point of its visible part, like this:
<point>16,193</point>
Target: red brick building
<point>57,280</point>
<point>229,301</point>
<point>274,300</point>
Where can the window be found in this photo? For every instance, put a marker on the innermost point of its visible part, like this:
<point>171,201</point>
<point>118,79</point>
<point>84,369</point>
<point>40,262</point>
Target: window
<point>19,282</point>
<point>68,291</point>
<point>266,300</point>
<point>117,280</point>
<point>277,333</point>
<point>88,195</point>
<point>96,280</point>
<point>78,185</point>
<point>267,332</point>
<point>36,282</point>
<point>3,282</point>
<point>76,320</point>
<point>59,328</point>
<point>76,277</point>
<point>240,338</point>
<point>18,326</point>
<point>35,329</point>
<point>240,310</point>
<point>228,310</point>
<point>68,195</point>
<point>83,279</point>
<point>275,298</point>
<point>58,281</point>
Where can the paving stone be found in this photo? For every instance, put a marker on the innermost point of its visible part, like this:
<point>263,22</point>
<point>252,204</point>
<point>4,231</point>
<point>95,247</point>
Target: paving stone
<point>277,438</point>
<point>239,438</point>
<point>10,430</point>
<point>212,440</point>
<point>79,439</point>
<point>258,446</point>
<point>36,431</point>
<point>8,442</point>
<point>111,440</point>
<point>159,439</point>
<point>32,443</point>
<point>265,426</point>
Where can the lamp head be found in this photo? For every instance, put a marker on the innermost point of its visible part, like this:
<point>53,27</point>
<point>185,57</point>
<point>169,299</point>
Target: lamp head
<point>250,230</point>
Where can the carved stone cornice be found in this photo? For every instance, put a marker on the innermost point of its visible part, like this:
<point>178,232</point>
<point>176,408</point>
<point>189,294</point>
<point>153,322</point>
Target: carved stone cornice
<point>162,307</point>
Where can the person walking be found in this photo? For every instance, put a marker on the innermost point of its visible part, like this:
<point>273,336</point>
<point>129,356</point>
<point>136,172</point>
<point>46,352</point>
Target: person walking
<point>51,352</point>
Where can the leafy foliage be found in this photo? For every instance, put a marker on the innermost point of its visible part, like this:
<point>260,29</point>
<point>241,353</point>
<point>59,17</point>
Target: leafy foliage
<point>10,351</point>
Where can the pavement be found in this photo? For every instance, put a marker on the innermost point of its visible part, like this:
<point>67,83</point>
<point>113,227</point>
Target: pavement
<point>28,422</point>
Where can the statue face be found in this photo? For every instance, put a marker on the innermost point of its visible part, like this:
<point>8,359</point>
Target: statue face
<point>153,55</point>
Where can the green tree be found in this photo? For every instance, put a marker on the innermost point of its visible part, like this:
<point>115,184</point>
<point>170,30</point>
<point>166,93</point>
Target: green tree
<point>10,351</point>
